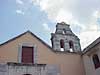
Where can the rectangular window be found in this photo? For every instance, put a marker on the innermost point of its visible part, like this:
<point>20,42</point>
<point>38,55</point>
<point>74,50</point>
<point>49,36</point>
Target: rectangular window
<point>27,54</point>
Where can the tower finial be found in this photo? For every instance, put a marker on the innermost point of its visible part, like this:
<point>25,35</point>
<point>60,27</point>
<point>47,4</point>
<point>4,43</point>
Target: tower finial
<point>63,22</point>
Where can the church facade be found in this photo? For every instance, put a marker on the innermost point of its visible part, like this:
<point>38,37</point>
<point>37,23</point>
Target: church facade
<point>27,54</point>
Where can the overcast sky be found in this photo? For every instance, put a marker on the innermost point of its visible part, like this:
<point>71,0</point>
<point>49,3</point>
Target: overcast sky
<point>41,16</point>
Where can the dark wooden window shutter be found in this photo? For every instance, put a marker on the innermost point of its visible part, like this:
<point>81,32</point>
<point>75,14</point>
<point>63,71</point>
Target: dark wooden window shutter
<point>27,54</point>
<point>96,61</point>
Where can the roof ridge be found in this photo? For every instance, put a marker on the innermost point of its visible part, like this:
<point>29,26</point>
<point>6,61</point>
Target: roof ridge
<point>95,42</point>
<point>28,31</point>
<point>13,38</point>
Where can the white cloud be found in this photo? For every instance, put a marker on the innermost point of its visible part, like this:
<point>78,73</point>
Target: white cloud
<point>88,37</point>
<point>82,13</point>
<point>20,12</point>
<point>63,15</point>
<point>96,14</point>
<point>82,10</point>
<point>54,7</point>
<point>19,2</point>
<point>46,27</point>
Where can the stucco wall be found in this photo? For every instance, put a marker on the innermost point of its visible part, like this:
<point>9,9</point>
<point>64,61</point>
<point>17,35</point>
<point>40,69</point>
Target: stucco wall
<point>88,61</point>
<point>70,63</point>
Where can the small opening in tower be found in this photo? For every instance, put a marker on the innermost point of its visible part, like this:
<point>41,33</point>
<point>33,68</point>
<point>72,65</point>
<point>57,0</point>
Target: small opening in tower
<point>71,46</point>
<point>52,44</point>
<point>63,31</point>
<point>62,44</point>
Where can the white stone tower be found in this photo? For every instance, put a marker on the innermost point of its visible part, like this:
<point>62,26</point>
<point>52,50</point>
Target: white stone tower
<point>64,39</point>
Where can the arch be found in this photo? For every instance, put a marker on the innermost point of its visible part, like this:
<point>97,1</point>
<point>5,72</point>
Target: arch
<point>96,61</point>
<point>71,45</point>
<point>62,44</point>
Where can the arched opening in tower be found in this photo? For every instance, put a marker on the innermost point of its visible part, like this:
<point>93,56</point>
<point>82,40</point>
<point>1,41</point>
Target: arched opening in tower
<point>62,45</point>
<point>71,46</point>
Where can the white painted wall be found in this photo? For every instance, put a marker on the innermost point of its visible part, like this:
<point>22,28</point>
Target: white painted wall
<point>88,62</point>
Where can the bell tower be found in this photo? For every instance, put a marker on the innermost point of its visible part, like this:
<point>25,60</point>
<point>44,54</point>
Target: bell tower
<point>64,39</point>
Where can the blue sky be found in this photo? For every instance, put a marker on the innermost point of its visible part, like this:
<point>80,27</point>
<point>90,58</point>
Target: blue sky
<point>16,19</point>
<point>41,16</point>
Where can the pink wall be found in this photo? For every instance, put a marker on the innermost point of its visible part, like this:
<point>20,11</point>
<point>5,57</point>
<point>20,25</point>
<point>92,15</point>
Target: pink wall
<point>70,63</point>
